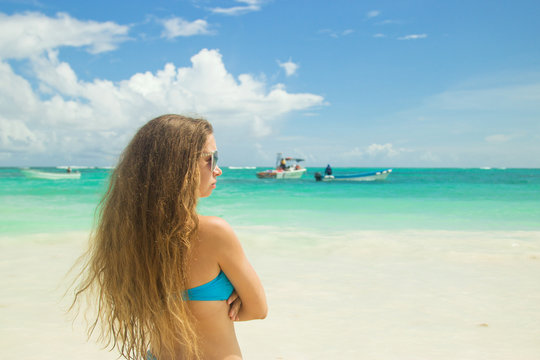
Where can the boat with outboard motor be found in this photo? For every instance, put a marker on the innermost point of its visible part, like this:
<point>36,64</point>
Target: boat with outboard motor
<point>36,174</point>
<point>368,176</point>
<point>286,168</point>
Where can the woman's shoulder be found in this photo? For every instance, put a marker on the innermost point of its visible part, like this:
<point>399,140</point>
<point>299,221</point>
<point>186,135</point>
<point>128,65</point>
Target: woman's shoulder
<point>212,228</point>
<point>213,223</point>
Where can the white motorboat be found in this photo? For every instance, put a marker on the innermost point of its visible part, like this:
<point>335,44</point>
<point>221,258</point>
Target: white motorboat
<point>48,175</point>
<point>286,168</point>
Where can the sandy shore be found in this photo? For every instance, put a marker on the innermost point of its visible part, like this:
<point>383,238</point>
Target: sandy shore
<point>369,295</point>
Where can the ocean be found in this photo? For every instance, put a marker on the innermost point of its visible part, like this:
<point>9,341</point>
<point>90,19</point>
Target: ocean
<point>428,264</point>
<point>435,199</point>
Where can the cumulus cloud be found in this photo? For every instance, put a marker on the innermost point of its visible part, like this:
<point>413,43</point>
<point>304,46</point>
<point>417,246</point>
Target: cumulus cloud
<point>289,67</point>
<point>15,135</point>
<point>373,13</point>
<point>29,34</point>
<point>66,114</point>
<point>250,6</point>
<point>48,108</point>
<point>176,27</point>
<point>413,37</point>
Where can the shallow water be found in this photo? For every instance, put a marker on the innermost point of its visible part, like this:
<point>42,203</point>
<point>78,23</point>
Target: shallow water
<point>435,199</point>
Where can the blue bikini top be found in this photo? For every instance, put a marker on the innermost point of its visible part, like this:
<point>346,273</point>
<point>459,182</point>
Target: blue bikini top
<point>220,288</point>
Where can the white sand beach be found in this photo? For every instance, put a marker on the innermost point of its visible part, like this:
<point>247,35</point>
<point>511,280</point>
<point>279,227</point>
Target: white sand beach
<point>351,295</point>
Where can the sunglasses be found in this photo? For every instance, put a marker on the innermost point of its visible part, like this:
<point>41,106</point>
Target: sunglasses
<point>213,163</point>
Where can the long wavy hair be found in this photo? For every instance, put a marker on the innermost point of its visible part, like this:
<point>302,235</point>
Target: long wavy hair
<point>134,272</point>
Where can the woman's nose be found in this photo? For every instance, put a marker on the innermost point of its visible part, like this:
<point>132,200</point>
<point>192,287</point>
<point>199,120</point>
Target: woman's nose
<point>217,171</point>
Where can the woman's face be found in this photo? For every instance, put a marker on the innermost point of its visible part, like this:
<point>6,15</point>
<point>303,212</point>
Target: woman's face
<point>208,177</point>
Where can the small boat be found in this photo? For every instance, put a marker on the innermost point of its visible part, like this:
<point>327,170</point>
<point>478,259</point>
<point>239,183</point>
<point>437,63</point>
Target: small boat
<point>369,176</point>
<point>36,174</point>
<point>286,168</point>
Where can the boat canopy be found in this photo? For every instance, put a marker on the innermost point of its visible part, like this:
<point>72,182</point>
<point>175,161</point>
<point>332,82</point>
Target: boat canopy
<point>293,159</point>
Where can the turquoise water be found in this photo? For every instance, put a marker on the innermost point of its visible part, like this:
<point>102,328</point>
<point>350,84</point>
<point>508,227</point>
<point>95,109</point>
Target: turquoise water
<point>435,199</point>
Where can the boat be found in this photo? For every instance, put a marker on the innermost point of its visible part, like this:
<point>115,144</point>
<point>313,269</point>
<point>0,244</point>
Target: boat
<point>36,174</point>
<point>286,168</point>
<point>368,176</point>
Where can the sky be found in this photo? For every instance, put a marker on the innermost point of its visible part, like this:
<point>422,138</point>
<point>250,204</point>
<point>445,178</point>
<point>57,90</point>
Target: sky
<point>419,83</point>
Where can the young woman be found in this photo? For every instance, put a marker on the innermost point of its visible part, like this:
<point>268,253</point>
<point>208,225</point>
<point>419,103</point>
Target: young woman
<point>167,282</point>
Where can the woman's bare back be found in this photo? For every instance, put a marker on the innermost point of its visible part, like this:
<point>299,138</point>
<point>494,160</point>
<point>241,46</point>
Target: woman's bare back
<point>216,329</point>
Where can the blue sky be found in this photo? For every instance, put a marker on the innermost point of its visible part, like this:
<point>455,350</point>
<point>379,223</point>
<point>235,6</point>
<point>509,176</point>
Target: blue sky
<point>351,83</point>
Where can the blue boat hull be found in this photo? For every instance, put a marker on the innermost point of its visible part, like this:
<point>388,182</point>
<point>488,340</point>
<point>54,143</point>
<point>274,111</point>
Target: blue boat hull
<point>370,176</point>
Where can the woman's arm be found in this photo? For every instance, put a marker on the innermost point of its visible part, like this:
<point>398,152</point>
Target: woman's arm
<point>234,263</point>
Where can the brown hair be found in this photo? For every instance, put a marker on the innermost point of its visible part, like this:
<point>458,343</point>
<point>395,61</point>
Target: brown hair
<point>134,270</point>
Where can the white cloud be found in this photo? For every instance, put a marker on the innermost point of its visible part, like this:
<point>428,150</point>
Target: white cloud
<point>452,124</point>
<point>384,150</point>
<point>260,127</point>
<point>289,67</point>
<point>176,26</point>
<point>379,35</point>
<point>55,75</point>
<point>29,34</point>
<point>498,138</point>
<point>49,109</point>
<point>16,94</point>
<point>509,97</point>
<point>251,5</point>
<point>375,150</point>
<point>429,157</point>
<point>356,152</point>
<point>66,115</point>
<point>329,32</point>
<point>389,22</point>
<point>413,37</point>
<point>335,33</point>
<point>373,13</point>
<point>16,136</point>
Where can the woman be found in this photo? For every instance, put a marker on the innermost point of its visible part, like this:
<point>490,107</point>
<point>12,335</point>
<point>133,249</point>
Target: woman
<point>167,282</point>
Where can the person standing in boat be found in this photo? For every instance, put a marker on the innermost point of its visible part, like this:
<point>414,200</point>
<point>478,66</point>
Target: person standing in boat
<point>283,164</point>
<point>328,170</point>
<point>167,282</point>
